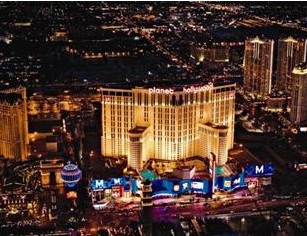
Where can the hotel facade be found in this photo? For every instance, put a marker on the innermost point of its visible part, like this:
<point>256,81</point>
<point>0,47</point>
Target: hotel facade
<point>291,52</point>
<point>14,124</point>
<point>168,123</point>
<point>298,112</point>
<point>258,65</point>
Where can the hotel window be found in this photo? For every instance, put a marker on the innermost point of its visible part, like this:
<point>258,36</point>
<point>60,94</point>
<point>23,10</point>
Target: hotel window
<point>146,113</point>
<point>207,96</point>
<point>166,101</point>
<point>173,100</point>
<point>146,99</point>
<point>191,98</point>
<point>202,97</point>
<point>139,99</point>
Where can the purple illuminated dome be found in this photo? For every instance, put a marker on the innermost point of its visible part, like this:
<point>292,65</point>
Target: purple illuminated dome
<point>71,174</point>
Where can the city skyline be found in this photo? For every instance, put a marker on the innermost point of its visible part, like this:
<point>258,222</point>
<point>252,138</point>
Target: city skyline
<point>153,118</point>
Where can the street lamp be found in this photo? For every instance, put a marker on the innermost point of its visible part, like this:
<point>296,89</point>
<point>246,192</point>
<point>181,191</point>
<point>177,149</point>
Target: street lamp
<point>242,224</point>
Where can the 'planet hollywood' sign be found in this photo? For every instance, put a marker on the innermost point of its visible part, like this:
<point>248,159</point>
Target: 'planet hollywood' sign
<point>191,89</point>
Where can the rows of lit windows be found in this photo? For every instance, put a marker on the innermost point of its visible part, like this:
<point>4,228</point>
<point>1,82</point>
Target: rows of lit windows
<point>10,137</point>
<point>173,123</point>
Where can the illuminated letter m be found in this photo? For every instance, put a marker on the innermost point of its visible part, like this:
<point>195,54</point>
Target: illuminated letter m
<point>99,184</point>
<point>259,170</point>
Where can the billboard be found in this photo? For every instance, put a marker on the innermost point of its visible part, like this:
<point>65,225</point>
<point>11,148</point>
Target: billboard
<point>197,185</point>
<point>237,181</point>
<point>200,186</point>
<point>126,183</point>
<point>230,182</point>
<point>185,185</point>
<point>259,170</point>
<point>180,186</point>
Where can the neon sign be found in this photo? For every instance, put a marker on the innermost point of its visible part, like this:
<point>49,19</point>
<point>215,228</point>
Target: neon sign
<point>191,89</point>
<point>161,91</point>
<point>259,170</point>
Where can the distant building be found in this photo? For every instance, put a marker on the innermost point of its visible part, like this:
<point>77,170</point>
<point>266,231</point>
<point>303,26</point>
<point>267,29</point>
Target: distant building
<point>14,124</point>
<point>212,53</point>
<point>258,64</point>
<point>277,103</point>
<point>51,173</point>
<point>291,52</point>
<point>299,96</point>
<point>162,123</point>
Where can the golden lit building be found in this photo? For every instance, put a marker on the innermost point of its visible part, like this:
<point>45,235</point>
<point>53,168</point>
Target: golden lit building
<point>163,123</point>
<point>213,138</point>
<point>13,124</point>
<point>299,96</point>
<point>291,52</point>
<point>217,53</point>
<point>258,62</point>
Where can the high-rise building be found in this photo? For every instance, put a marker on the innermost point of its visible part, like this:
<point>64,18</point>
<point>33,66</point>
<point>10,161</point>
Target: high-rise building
<point>13,124</point>
<point>299,96</point>
<point>258,62</point>
<point>291,52</point>
<point>168,123</point>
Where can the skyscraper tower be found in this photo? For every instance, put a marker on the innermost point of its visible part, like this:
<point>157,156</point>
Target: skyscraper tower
<point>13,124</point>
<point>291,52</point>
<point>258,62</point>
<point>299,96</point>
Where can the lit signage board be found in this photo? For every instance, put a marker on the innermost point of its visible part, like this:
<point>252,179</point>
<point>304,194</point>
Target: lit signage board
<point>236,181</point>
<point>185,185</point>
<point>195,89</point>
<point>97,184</point>
<point>259,170</point>
<point>191,89</point>
<point>230,182</point>
<point>197,185</point>
<point>159,91</point>
<point>227,183</point>
<point>176,188</point>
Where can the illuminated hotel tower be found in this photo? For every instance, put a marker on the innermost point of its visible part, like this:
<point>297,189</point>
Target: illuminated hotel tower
<point>258,62</point>
<point>168,123</point>
<point>291,52</point>
<point>13,124</point>
<point>299,96</point>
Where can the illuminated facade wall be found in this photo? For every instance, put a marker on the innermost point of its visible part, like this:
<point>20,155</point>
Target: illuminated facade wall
<point>13,124</point>
<point>213,138</point>
<point>51,166</point>
<point>258,62</point>
<point>171,118</point>
<point>299,96</point>
<point>291,52</point>
<point>138,146</point>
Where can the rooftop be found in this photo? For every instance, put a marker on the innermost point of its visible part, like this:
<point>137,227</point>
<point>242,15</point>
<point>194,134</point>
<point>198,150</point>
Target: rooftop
<point>138,129</point>
<point>11,98</point>
<point>215,126</point>
<point>300,69</point>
